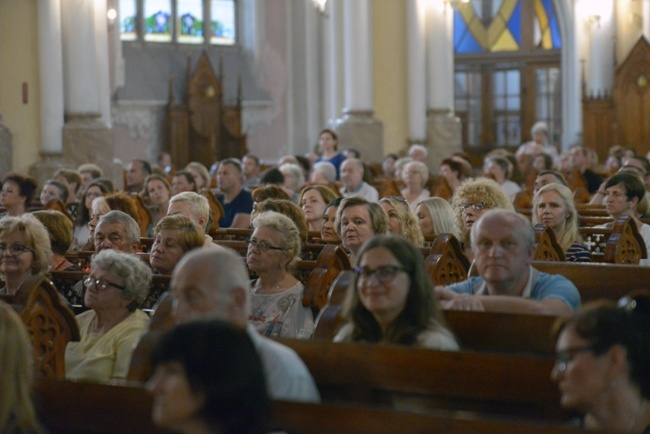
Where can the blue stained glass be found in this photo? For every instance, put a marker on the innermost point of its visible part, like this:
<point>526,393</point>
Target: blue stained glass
<point>553,24</point>
<point>469,44</point>
<point>514,25</point>
<point>460,28</point>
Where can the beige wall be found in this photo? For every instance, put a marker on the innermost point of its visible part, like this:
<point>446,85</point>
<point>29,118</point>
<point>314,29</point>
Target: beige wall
<point>629,23</point>
<point>18,65</point>
<point>390,72</point>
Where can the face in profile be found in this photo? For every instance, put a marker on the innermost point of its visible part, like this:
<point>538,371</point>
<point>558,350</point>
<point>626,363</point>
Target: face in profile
<point>327,230</point>
<point>166,250</point>
<point>424,220</point>
<point>394,225</point>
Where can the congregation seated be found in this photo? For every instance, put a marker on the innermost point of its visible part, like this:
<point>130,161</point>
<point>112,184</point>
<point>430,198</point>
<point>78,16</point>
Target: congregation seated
<point>415,176</point>
<point>328,141</point>
<point>252,166</point>
<point>237,202</point>
<point>197,389</point>
<point>601,367</point>
<point>553,206</point>
<point>401,219</point>
<point>16,376</point>
<point>111,328</point>
<point>391,301</point>
<point>276,295</point>
<point>215,284</point>
<point>157,192</point>
<point>174,236</point>
<point>352,172</point>
<point>118,201</point>
<point>499,169</point>
<point>503,244</point>
<point>136,172</point>
<point>284,207</point>
<point>582,164</point>
<point>454,171</point>
<point>72,180</point>
<point>118,231</point>
<point>546,177</point>
<point>183,181</point>
<point>17,193</point>
<point>89,173</point>
<point>328,232</point>
<point>294,180</point>
<point>357,221</point>
<point>81,235</point>
<point>200,174</point>
<point>53,190</point>
<point>25,254</point>
<point>436,216</point>
<point>313,201</point>
<point>196,208</point>
<point>323,173</point>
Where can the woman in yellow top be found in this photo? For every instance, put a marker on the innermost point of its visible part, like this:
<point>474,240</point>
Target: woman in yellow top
<point>110,330</point>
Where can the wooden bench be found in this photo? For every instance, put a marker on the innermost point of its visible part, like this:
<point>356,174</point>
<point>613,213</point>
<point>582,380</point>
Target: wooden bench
<point>428,379</point>
<point>546,246</point>
<point>50,324</point>
<point>622,244</point>
<point>82,408</point>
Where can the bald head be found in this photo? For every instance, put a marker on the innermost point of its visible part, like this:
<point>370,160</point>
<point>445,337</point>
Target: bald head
<point>211,284</point>
<point>515,223</point>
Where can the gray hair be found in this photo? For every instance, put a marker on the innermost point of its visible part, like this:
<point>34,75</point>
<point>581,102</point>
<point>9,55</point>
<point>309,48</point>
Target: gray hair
<point>420,167</point>
<point>328,169</point>
<point>512,220</point>
<point>539,127</point>
<point>199,206</point>
<point>135,275</point>
<point>420,148</point>
<point>296,173</point>
<point>288,230</point>
<point>131,227</point>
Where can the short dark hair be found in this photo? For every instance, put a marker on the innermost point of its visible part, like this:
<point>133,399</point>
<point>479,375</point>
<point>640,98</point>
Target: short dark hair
<point>146,167</point>
<point>233,162</point>
<point>26,185</point>
<point>253,157</point>
<point>188,177</point>
<point>272,176</point>
<point>63,189</point>
<point>558,175</point>
<point>633,184</point>
<point>231,379</point>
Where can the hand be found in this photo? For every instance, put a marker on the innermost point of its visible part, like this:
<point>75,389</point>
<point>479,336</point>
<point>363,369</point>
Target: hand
<point>451,300</point>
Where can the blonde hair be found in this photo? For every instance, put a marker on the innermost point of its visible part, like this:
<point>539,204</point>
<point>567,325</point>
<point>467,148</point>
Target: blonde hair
<point>571,233</point>
<point>36,238</point>
<point>410,227</point>
<point>17,372</point>
<point>442,215</point>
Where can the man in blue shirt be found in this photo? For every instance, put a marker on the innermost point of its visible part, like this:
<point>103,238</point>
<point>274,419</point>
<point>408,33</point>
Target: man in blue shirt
<point>503,243</point>
<point>237,202</point>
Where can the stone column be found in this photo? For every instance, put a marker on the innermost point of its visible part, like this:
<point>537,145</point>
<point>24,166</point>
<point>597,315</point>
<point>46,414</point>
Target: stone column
<point>50,60</point>
<point>600,65</point>
<point>416,17</point>
<point>443,128</point>
<point>358,128</point>
<point>85,50</point>
<point>334,61</point>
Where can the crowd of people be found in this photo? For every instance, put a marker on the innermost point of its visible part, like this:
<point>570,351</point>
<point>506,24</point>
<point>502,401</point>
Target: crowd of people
<point>336,198</point>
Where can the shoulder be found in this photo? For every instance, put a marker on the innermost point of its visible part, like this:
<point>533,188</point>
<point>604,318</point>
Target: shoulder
<point>556,286</point>
<point>437,337</point>
<point>345,334</point>
<point>466,286</point>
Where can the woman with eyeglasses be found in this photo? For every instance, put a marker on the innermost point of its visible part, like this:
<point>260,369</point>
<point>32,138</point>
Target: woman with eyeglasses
<point>472,199</point>
<point>276,295</point>
<point>602,364</point>
<point>401,219</point>
<point>25,253</point>
<point>391,301</point>
<point>110,330</point>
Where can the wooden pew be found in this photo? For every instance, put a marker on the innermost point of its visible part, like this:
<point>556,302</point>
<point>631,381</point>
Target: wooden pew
<point>426,379</point>
<point>67,407</point>
<point>216,210</point>
<point>622,244</point>
<point>50,324</point>
<point>546,246</point>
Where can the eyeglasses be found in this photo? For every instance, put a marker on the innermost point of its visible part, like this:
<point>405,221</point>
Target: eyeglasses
<point>14,249</point>
<point>101,284</point>
<point>564,357</point>
<point>262,246</point>
<point>476,206</point>
<point>384,274</point>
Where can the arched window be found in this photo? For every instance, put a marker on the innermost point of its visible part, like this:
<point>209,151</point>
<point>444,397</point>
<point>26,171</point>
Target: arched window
<point>507,57</point>
<point>179,21</point>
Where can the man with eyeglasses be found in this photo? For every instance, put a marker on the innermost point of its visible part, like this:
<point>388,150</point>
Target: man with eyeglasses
<point>215,284</point>
<point>503,243</point>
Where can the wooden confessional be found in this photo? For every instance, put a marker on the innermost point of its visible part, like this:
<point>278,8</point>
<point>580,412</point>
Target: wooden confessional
<point>202,128</point>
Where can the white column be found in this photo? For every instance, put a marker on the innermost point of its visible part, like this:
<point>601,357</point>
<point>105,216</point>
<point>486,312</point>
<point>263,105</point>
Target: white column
<point>357,25</point>
<point>416,19</point>
<point>79,57</point>
<point>440,56</point>
<point>600,65</point>
<point>646,18</point>
<point>103,66</point>
<point>50,59</point>
<point>334,60</point>
<point>313,68</point>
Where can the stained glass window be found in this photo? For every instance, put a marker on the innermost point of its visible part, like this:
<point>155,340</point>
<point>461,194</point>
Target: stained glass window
<point>546,27</point>
<point>158,20</point>
<point>222,22</point>
<point>189,27</point>
<point>128,20</point>
<point>487,26</point>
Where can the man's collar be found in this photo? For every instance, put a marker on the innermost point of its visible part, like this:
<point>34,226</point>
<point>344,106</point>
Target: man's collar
<point>525,293</point>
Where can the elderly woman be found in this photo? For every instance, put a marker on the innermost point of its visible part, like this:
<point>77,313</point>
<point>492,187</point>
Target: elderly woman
<point>287,208</point>
<point>199,390</point>
<point>294,180</point>
<point>276,299</point>
<point>81,234</point>
<point>435,216</point>
<point>17,193</point>
<point>553,206</point>
<point>17,414</point>
<point>53,190</point>
<point>602,364</point>
<point>328,233</point>
<point>323,173</point>
<point>174,236</point>
<point>401,219</point>
<point>415,175</point>
<point>474,198</point>
<point>392,299</point>
<point>329,143</point>
<point>110,330</point>
<point>25,253</point>
<point>314,200</point>
<point>158,191</point>
<point>200,174</point>
<point>357,221</point>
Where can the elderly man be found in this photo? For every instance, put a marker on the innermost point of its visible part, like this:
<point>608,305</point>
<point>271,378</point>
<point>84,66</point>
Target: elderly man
<point>353,183</point>
<point>136,173</point>
<point>419,153</point>
<point>503,245</point>
<point>117,230</point>
<point>237,202</point>
<point>196,208</point>
<point>215,284</point>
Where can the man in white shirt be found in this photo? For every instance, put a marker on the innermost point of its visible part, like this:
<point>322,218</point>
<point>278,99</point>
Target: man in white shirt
<point>353,183</point>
